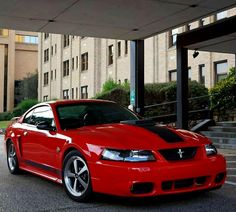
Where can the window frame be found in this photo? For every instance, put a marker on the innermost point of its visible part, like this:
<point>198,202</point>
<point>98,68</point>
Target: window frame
<point>200,76</point>
<point>215,70</point>
<point>110,54</point>
<point>32,111</point>
<point>66,68</point>
<point>84,61</point>
<point>84,95</point>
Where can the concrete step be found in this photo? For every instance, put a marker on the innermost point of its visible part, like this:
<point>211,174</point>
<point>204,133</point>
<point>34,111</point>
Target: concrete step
<point>225,146</point>
<point>219,134</point>
<point>223,140</point>
<point>231,178</point>
<point>230,157</point>
<point>231,164</point>
<point>222,129</point>
<point>226,123</point>
<point>231,171</point>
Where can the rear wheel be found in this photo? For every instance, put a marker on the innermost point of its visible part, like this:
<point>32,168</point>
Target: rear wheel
<point>12,160</point>
<point>76,177</point>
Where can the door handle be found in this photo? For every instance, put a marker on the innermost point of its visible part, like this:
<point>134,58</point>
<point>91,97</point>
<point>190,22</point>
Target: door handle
<point>25,133</point>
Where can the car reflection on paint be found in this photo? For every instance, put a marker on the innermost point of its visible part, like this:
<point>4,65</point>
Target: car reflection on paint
<point>98,146</point>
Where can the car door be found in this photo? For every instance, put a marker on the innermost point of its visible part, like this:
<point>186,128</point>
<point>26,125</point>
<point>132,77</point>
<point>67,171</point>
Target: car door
<point>41,147</point>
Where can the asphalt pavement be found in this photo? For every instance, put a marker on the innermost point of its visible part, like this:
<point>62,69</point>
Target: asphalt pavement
<point>27,192</point>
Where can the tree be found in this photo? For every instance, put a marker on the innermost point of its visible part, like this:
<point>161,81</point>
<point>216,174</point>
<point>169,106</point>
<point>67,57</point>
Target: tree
<point>26,88</point>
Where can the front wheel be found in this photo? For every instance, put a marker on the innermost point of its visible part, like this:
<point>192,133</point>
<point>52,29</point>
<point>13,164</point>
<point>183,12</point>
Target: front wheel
<point>12,160</point>
<point>76,177</point>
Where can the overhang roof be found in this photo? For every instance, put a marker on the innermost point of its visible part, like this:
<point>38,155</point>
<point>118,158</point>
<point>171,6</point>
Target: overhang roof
<point>217,37</point>
<point>117,19</point>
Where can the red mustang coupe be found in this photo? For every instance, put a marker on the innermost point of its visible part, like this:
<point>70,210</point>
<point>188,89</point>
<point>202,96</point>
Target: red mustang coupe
<point>97,146</point>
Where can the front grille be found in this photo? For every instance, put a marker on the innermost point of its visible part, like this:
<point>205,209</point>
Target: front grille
<point>179,153</point>
<point>183,183</point>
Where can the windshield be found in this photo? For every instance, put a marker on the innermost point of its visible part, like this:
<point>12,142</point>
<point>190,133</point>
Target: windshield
<point>92,113</point>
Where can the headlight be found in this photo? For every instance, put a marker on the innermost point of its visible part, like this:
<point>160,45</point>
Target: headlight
<point>128,155</point>
<point>210,149</point>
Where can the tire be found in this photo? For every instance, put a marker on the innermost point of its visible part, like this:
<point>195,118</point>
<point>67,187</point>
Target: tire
<point>76,177</point>
<point>12,160</point>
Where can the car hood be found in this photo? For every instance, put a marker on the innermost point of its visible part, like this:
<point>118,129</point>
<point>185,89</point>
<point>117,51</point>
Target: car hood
<point>125,136</point>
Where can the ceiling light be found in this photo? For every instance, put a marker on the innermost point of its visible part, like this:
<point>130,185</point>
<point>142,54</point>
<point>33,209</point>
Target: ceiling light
<point>195,53</point>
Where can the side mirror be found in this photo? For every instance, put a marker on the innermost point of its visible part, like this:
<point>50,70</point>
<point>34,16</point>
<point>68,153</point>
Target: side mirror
<point>45,126</point>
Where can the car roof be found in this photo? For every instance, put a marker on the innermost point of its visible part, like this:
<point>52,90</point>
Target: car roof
<point>64,102</point>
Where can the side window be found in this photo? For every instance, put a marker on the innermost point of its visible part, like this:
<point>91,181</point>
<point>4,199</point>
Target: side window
<point>43,114</point>
<point>28,118</point>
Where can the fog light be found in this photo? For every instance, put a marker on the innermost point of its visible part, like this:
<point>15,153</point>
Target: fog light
<point>142,188</point>
<point>219,177</point>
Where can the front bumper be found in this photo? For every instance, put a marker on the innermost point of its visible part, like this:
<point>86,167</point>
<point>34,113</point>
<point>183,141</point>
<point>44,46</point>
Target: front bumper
<point>157,178</point>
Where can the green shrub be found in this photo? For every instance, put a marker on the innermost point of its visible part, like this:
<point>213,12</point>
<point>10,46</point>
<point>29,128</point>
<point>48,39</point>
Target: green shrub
<point>5,116</point>
<point>110,84</point>
<point>224,93</point>
<point>158,93</point>
<point>119,95</point>
<point>22,107</point>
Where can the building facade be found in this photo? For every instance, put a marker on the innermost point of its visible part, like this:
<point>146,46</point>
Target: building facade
<point>76,67</point>
<point>18,57</point>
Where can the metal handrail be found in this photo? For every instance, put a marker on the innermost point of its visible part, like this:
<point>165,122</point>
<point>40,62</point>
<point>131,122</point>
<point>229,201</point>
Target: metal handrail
<point>172,102</point>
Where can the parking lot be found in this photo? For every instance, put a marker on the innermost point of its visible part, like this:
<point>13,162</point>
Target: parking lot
<point>27,192</point>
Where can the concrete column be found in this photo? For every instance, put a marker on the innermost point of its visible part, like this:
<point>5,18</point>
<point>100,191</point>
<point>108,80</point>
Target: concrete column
<point>2,49</point>
<point>137,76</point>
<point>11,71</point>
<point>182,87</point>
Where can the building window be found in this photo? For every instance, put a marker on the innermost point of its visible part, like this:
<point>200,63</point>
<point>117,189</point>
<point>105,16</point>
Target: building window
<point>84,61</point>
<point>84,92</point>
<point>66,68</point>
<point>221,15</point>
<point>55,48</point>
<point>202,22</point>
<point>76,93</point>
<point>189,73</point>
<point>173,37</point>
<point>172,75</point>
<point>221,68</point>
<point>55,73</point>
<point>202,74</point>
<point>66,40</point>
<point>72,93</point>
<point>126,47</point>
<point>77,62</point>
<point>4,32</point>
<point>51,75</point>
<point>119,49</point>
<point>73,63</point>
<point>188,27</point>
<point>110,54</point>
<point>45,98</point>
<point>51,50</point>
<point>46,55</point>
<point>26,39</point>
<point>65,94</point>
<point>45,79</point>
<point>46,35</point>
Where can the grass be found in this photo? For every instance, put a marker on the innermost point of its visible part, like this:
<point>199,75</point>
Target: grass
<point>4,124</point>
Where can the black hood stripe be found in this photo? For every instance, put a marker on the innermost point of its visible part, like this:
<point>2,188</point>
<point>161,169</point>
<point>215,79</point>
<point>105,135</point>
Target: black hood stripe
<point>163,132</point>
<point>166,134</point>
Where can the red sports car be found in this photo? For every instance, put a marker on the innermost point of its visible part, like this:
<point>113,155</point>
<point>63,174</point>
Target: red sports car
<point>98,146</point>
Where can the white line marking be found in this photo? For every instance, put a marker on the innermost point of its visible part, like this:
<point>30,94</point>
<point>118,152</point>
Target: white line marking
<point>231,175</point>
<point>230,161</point>
<point>230,183</point>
